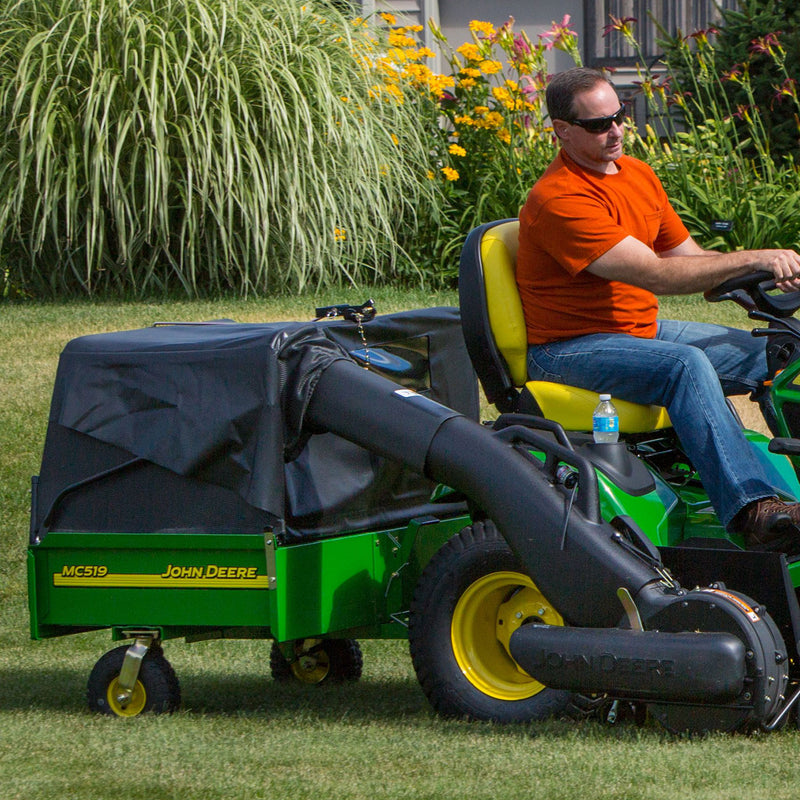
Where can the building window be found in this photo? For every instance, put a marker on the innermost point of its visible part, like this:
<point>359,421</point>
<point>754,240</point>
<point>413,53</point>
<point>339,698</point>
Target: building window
<point>684,16</point>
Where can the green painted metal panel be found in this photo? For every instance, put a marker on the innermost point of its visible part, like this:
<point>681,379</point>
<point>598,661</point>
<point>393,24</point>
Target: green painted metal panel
<point>326,586</point>
<point>359,582</point>
<point>86,580</point>
<point>195,582</point>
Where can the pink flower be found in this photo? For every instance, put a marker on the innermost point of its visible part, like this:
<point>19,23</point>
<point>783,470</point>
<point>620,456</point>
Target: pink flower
<point>766,44</point>
<point>521,46</point>
<point>701,37</point>
<point>623,25</point>
<point>734,74</point>
<point>559,36</point>
<point>787,89</point>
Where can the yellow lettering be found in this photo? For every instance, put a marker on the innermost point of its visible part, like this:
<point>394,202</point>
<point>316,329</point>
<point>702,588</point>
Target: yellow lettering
<point>84,571</point>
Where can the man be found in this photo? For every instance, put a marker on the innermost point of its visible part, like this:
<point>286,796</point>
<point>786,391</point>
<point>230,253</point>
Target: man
<point>598,241</point>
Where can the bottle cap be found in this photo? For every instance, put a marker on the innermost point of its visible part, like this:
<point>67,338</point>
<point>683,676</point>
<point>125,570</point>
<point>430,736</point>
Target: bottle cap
<point>604,397</point>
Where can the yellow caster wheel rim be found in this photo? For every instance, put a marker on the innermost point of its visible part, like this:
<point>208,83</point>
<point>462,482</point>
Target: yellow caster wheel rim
<point>136,704</point>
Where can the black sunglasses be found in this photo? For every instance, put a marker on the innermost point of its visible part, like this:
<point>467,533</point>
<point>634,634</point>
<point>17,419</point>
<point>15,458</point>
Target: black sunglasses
<point>600,124</point>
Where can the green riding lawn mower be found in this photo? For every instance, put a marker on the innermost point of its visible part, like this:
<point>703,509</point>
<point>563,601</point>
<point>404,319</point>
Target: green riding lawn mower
<point>317,483</point>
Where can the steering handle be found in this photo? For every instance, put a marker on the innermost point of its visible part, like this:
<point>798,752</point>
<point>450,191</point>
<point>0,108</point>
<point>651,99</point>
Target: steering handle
<point>752,291</point>
<point>746,282</point>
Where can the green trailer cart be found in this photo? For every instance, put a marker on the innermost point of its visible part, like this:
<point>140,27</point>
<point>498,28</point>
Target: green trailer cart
<point>174,500</point>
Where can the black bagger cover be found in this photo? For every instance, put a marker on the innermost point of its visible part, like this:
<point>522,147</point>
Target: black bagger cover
<point>198,427</point>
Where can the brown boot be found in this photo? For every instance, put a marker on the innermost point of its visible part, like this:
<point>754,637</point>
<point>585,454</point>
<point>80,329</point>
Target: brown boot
<point>770,524</point>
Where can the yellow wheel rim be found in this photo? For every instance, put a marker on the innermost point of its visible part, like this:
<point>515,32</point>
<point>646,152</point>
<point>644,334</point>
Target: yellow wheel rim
<point>131,709</point>
<point>311,667</point>
<point>486,615</point>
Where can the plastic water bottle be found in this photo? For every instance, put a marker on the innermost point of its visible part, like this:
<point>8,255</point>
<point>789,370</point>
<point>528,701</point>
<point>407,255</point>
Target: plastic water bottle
<point>605,422</point>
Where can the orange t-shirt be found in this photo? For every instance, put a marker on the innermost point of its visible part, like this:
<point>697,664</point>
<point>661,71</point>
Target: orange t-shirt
<point>573,216</point>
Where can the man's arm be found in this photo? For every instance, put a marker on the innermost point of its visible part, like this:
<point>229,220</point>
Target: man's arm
<point>690,268</point>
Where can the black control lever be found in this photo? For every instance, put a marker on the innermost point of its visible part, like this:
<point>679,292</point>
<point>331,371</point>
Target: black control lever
<point>363,313</point>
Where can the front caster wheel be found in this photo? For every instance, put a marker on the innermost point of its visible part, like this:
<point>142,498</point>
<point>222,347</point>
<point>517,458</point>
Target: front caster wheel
<point>469,600</point>
<point>318,661</point>
<point>156,690</point>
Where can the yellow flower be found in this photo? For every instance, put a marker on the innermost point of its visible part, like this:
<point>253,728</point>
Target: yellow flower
<point>501,94</point>
<point>481,110</point>
<point>504,135</point>
<point>450,173</point>
<point>464,120</point>
<point>339,234</point>
<point>457,150</point>
<point>490,67</point>
<point>388,18</point>
<point>397,39</point>
<point>470,51</point>
<point>494,119</point>
<point>430,175</point>
<point>470,72</point>
<point>387,92</point>
<point>395,140</point>
<point>485,28</point>
<point>467,83</point>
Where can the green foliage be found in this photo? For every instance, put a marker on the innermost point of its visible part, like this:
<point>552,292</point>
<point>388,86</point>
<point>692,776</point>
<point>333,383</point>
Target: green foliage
<point>757,59</point>
<point>488,137</point>
<point>251,146</point>
<point>205,145</point>
<point>717,161</point>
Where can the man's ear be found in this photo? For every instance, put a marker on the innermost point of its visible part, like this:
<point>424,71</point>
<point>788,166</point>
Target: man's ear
<point>561,127</point>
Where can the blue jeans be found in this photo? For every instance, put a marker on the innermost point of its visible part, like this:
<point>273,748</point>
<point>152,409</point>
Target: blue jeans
<point>688,368</point>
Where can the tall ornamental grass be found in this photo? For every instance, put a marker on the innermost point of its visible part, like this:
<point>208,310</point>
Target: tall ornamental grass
<point>205,146</point>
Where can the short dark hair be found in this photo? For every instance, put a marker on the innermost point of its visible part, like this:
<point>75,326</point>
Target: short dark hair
<point>564,86</point>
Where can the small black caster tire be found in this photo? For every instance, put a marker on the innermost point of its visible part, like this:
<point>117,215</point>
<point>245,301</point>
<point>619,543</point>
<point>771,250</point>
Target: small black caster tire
<point>318,661</point>
<point>157,689</point>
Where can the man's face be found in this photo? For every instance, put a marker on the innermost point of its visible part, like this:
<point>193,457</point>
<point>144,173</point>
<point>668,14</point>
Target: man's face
<point>597,151</point>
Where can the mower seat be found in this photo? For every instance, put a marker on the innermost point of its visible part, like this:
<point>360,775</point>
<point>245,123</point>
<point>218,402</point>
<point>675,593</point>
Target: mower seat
<point>497,342</point>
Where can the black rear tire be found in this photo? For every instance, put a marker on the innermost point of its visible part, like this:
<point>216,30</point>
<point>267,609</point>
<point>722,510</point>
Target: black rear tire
<point>470,598</point>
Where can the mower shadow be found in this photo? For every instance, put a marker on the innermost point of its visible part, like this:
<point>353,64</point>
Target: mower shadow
<point>217,694</point>
<point>214,692</point>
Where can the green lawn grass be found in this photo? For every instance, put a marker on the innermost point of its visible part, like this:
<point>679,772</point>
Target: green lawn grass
<point>239,735</point>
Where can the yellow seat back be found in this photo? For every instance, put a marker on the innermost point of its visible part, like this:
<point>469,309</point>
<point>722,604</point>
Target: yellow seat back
<point>499,255</point>
<point>570,406</point>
